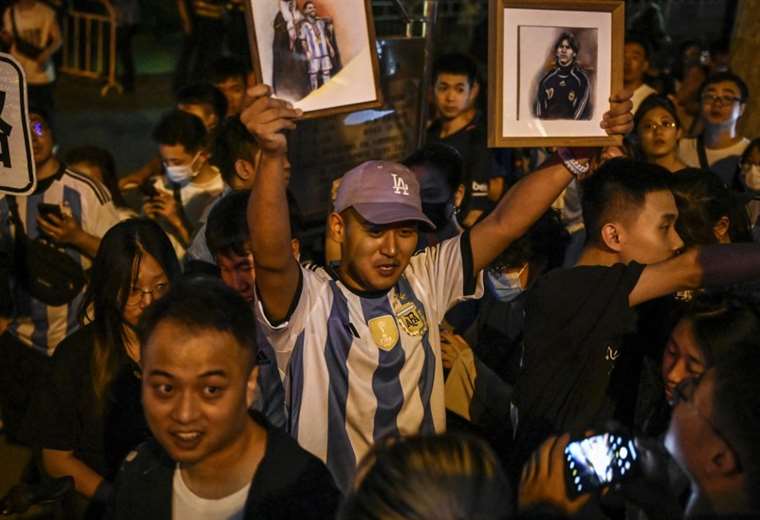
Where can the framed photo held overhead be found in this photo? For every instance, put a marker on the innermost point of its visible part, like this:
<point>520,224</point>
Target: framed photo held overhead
<point>553,65</point>
<point>318,54</point>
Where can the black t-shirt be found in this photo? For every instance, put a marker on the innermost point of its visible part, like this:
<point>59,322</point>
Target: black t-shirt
<point>576,321</point>
<point>479,163</point>
<point>289,483</point>
<point>66,417</point>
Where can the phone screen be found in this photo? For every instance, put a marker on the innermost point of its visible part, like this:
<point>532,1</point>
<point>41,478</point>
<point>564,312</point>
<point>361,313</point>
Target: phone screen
<point>598,461</point>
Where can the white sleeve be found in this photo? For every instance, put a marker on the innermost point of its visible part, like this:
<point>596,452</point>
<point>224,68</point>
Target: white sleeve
<point>97,217</point>
<point>444,273</point>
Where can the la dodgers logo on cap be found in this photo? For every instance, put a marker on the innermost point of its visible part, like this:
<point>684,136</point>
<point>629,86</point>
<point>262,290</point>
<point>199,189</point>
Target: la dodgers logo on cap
<point>399,186</point>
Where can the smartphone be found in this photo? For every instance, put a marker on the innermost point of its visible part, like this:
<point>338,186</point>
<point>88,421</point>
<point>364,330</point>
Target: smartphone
<point>599,460</point>
<point>46,209</point>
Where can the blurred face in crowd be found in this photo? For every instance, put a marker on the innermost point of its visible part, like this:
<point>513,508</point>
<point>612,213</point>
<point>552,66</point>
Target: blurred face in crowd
<point>454,95</point>
<point>149,282</point>
<point>178,155</point>
<point>238,273</point>
<point>233,89</point>
<point>565,53</point>
<point>750,170</point>
<point>721,104</point>
<point>636,63</point>
<point>42,139</point>
<point>373,256</point>
<point>648,235</point>
<point>197,387</point>
<point>682,358</point>
<point>203,111</point>
<point>658,133</point>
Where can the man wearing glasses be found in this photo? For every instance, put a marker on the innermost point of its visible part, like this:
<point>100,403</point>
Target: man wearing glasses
<point>713,435</point>
<point>719,147</point>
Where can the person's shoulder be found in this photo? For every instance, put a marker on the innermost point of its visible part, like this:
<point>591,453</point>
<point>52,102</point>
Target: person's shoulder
<point>86,186</point>
<point>76,347</point>
<point>573,282</point>
<point>283,451</point>
<point>146,458</point>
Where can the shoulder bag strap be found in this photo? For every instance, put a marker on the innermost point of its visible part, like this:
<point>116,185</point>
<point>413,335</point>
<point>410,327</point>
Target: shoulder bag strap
<point>702,153</point>
<point>17,222</point>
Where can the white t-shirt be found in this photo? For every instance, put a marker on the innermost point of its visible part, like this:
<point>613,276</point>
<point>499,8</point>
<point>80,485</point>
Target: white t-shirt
<point>195,197</point>
<point>34,26</point>
<point>723,161</point>
<point>640,94</point>
<point>187,505</point>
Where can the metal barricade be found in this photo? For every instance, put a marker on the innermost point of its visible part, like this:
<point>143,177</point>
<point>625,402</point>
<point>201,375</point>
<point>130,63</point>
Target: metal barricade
<point>89,44</point>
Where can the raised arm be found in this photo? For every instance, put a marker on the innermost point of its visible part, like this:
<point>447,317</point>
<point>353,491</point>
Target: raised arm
<point>527,200</point>
<point>705,266</point>
<point>277,271</point>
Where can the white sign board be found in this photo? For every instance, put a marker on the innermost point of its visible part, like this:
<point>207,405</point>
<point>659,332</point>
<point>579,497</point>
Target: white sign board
<point>17,175</point>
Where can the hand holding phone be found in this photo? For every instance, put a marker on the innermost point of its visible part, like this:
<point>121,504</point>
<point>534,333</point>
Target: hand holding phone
<point>46,210</point>
<point>599,460</point>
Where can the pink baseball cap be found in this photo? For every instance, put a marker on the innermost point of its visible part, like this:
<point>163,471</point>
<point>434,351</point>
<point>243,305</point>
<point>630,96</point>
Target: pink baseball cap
<point>382,192</point>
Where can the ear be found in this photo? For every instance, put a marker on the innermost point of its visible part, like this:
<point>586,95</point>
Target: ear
<point>250,390</point>
<point>645,68</point>
<point>245,170</point>
<point>724,461</point>
<point>742,107</point>
<point>295,248</point>
<point>611,236</point>
<point>474,91</point>
<point>337,227</point>
<point>459,196</point>
<point>679,134</point>
<point>720,230</point>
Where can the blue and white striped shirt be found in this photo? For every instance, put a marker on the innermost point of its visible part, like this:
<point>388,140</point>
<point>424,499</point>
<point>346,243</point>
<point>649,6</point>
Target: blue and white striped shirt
<point>360,368</point>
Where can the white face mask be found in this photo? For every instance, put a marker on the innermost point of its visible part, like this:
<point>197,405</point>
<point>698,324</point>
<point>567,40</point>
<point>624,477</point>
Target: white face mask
<point>506,286</point>
<point>182,173</point>
<point>752,177</point>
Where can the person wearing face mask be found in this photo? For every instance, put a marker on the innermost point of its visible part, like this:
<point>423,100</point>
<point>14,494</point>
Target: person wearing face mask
<point>190,184</point>
<point>483,362</point>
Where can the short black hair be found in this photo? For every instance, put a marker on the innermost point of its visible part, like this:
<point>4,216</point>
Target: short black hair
<point>544,243</point>
<point>736,409</point>
<point>204,94</point>
<point>571,40</point>
<point>227,225</point>
<point>726,76</point>
<point>456,63</point>
<point>641,41</point>
<point>653,101</point>
<point>619,186</point>
<point>178,127</point>
<point>226,67</point>
<point>445,161</point>
<point>202,303</point>
<point>232,141</point>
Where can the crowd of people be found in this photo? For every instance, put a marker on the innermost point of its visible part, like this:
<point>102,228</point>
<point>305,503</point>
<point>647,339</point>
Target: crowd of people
<point>474,323</point>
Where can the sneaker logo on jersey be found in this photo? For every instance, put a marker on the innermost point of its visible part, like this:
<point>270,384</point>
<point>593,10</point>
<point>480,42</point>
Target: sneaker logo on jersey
<point>399,186</point>
<point>411,318</point>
<point>384,331</point>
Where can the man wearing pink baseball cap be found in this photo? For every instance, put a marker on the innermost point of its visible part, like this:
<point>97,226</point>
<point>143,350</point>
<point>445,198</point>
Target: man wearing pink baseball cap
<point>360,345</point>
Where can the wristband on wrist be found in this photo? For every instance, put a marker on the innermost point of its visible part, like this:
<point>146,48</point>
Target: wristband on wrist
<point>577,160</point>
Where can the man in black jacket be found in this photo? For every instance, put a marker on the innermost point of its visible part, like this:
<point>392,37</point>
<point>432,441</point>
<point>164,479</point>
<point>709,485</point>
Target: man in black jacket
<point>210,459</point>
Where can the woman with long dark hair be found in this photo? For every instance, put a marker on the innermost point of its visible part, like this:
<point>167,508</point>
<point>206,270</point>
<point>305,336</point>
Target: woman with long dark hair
<point>657,132</point>
<point>89,416</point>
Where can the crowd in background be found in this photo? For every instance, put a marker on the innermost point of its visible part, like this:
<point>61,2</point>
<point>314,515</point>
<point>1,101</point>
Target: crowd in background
<point>468,318</point>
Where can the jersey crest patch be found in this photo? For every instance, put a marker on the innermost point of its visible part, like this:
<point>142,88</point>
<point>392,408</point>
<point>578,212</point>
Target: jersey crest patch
<point>384,331</point>
<point>571,95</point>
<point>411,318</point>
<point>549,93</point>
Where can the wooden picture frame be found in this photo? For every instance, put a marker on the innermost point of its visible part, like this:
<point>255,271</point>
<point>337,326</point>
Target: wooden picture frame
<point>286,43</point>
<point>536,93</point>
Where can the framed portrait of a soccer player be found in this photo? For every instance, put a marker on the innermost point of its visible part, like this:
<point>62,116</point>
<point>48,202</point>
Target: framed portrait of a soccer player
<point>553,65</point>
<point>318,54</point>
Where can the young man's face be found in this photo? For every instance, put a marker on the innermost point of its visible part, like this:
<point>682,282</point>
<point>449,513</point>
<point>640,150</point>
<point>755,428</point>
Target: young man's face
<point>454,95</point>
<point>197,386</point>
<point>42,139</point>
<point>373,257</point>
<point>238,273</point>
<point>177,155</point>
<point>691,438</point>
<point>636,63</point>
<point>233,89</point>
<point>648,235</point>
<point>565,53</point>
<point>721,104</point>
<point>682,358</point>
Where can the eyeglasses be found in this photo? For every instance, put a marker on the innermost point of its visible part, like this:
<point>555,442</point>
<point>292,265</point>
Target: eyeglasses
<point>38,128</point>
<point>652,126</point>
<point>709,99</point>
<point>684,393</point>
<point>136,294</point>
